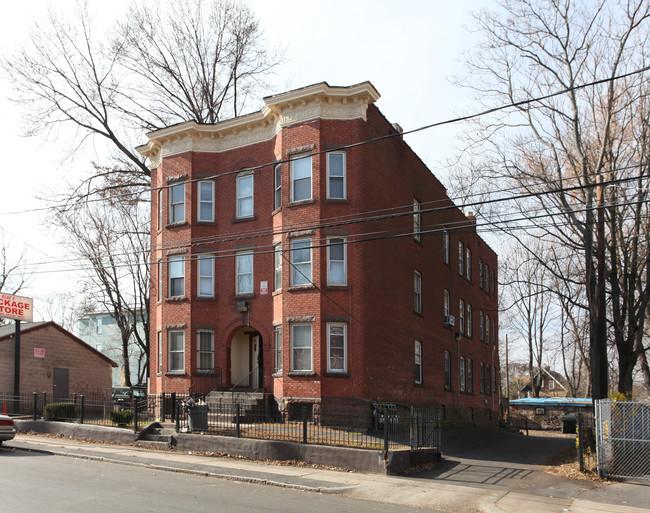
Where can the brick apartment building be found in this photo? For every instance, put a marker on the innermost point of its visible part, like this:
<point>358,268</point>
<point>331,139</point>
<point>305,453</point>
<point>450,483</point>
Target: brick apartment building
<point>287,257</point>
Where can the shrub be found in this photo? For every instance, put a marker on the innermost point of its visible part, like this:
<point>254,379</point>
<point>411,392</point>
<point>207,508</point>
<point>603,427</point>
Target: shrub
<point>122,417</point>
<point>61,411</point>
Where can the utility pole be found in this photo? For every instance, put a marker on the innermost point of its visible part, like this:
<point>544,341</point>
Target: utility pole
<point>598,353</point>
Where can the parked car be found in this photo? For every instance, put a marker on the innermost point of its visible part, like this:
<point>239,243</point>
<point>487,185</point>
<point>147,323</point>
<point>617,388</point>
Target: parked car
<point>122,396</point>
<point>7,428</point>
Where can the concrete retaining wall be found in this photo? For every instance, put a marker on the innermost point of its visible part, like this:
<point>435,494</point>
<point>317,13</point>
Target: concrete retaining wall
<point>83,431</point>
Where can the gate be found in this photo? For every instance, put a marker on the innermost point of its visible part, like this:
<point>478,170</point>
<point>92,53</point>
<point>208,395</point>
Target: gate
<point>623,433</point>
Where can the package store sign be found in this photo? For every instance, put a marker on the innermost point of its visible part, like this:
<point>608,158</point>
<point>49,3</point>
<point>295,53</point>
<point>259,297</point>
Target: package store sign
<point>39,353</point>
<point>16,307</point>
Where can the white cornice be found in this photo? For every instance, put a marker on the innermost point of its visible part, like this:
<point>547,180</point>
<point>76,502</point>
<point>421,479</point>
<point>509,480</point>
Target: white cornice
<point>312,102</point>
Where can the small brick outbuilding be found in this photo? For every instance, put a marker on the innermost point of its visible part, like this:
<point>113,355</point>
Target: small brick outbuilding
<point>52,360</point>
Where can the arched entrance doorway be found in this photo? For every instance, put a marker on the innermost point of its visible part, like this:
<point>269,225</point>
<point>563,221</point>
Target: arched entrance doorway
<point>246,359</point>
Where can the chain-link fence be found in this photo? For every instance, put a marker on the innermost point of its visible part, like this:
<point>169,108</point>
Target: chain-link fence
<point>623,439</point>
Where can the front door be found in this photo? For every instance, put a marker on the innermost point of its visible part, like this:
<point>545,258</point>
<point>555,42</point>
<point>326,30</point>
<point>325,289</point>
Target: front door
<point>61,384</point>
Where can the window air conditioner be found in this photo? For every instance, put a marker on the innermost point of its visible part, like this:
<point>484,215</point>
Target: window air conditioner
<point>450,320</point>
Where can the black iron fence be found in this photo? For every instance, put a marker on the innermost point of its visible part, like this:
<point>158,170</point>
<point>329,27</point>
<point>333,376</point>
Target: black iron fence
<point>365,426</point>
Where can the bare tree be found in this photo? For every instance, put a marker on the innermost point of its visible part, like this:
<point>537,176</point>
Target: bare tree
<point>161,63</point>
<point>561,136</point>
<point>111,238</point>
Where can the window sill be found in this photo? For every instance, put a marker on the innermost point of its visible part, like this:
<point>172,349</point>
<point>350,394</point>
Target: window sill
<point>175,373</point>
<point>243,219</point>
<point>448,389</point>
<point>250,295</point>
<point>276,211</point>
<point>419,385</point>
<point>337,374</point>
<point>276,292</point>
<point>334,286</point>
<point>301,203</point>
<point>419,314</point>
<point>206,223</point>
<point>205,298</point>
<point>176,225</point>
<point>298,288</point>
<point>339,201</point>
<point>301,374</point>
<point>277,374</point>
<point>206,373</point>
<point>176,299</point>
<point>418,241</point>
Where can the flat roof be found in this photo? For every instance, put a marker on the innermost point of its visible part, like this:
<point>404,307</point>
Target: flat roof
<point>583,402</point>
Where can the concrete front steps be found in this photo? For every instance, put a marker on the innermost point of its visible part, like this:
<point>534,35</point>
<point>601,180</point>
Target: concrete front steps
<point>156,436</point>
<point>222,404</point>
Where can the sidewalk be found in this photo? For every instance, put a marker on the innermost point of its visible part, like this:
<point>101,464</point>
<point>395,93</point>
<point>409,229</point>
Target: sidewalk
<point>458,484</point>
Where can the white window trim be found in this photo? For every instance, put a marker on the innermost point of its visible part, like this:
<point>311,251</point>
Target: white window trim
<point>240,176</point>
<point>461,374</point>
<point>445,246</point>
<point>470,375</point>
<point>172,219</point>
<point>277,186</point>
<point>418,362</point>
<point>468,307</point>
<point>468,264</point>
<point>169,349</point>
<point>160,209</point>
<point>277,350</point>
<point>311,178</point>
<point>446,303</point>
<point>200,259</point>
<point>277,267</point>
<point>160,353</point>
<point>330,177</point>
<point>171,277</point>
<point>345,261</point>
<point>237,273</point>
<point>345,347</point>
<point>199,352</point>
<point>201,202</point>
<point>294,270</point>
<point>417,292</point>
<point>461,257</point>
<point>461,320</point>
<point>160,280</point>
<point>311,348</point>
<point>417,221</point>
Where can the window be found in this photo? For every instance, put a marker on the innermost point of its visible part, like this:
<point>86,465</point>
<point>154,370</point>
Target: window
<point>160,352</point>
<point>277,350</point>
<point>418,362</point>
<point>551,385</point>
<point>417,292</point>
<point>488,379</point>
<point>244,272</point>
<point>482,378</point>
<point>481,327</point>
<point>461,317</point>
<point>461,375</point>
<point>278,267</point>
<point>205,351</point>
<point>486,279</point>
<point>336,175</point>
<point>487,329</point>
<point>100,325</point>
<point>480,273</point>
<point>461,255</point>
<point>469,320</point>
<point>278,186</point>
<point>301,347</point>
<point>336,262</point>
<point>470,376</point>
<point>445,304</point>
<point>445,246</point>
<point>160,279</point>
<point>160,209</point>
<point>177,203</point>
<point>417,221</point>
<point>493,282</point>
<point>176,276</point>
<point>206,201</point>
<point>301,262</point>
<point>468,265</point>
<point>206,275</point>
<point>494,332</point>
<point>301,178</point>
<point>176,351</point>
<point>447,369</point>
<point>245,195</point>
<point>336,348</point>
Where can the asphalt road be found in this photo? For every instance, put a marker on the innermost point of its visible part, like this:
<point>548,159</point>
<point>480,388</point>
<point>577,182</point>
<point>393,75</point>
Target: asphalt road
<point>33,481</point>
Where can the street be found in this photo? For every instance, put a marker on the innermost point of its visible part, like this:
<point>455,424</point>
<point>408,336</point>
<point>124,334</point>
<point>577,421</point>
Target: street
<point>34,481</point>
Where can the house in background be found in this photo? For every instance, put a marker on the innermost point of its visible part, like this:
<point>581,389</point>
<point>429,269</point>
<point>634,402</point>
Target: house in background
<point>553,384</point>
<point>100,331</point>
<point>291,257</point>
<point>52,360</point>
